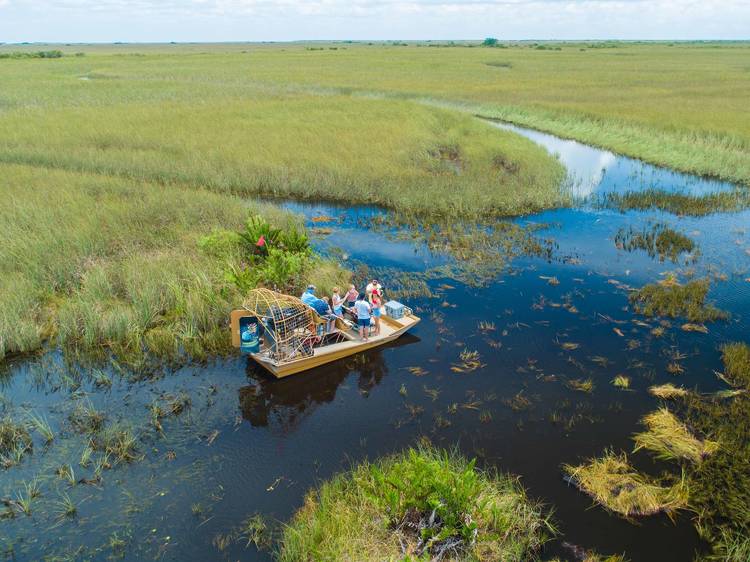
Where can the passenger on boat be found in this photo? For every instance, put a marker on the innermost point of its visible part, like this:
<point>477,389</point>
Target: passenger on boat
<point>337,301</point>
<point>308,297</point>
<point>372,286</point>
<point>323,308</point>
<point>377,302</point>
<point>351,296</point>
<point>363,317</point>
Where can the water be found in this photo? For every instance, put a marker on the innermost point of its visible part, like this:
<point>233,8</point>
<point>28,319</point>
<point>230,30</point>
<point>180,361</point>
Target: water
<point>251,444</point>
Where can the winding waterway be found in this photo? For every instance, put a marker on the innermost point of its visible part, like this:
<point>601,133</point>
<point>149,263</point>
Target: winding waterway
<point>250,444</point>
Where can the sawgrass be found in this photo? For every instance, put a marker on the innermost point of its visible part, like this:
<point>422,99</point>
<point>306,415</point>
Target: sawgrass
<point>614,484</point>
<point>95,263</point>
<point>670,439</point>
<point>393,153</point>
<point>682,105</point>
<point>417,504</point>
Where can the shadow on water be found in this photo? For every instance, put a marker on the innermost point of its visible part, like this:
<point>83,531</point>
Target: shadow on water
<point>538,330</point>
<point>283,403</point>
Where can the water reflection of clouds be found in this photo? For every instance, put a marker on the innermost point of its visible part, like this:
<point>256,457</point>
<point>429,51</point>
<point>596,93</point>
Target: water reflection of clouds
<point>595,171</point>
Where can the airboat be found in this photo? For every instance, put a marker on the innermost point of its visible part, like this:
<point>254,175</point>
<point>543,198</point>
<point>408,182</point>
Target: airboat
<point>285,336</point>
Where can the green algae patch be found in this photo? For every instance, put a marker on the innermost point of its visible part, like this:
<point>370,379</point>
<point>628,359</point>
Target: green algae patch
<point>614,484</point>
<point>670,439</point>
<point>423,504</point>
<point>675,300</point>
<point>736,358</point>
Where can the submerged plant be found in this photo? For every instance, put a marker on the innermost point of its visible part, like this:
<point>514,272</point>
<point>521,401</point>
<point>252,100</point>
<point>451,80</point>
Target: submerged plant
<point>670,439</point>
<point>581,385</point>
<point>676,300</point>
<point>614,484</point>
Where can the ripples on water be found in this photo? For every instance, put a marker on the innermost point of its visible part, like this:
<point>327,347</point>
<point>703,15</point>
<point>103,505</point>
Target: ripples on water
<point>278,438</point>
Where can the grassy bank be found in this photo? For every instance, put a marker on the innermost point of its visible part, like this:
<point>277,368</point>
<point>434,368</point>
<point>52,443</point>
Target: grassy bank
<point>419,505</point>
<point>93,263</point>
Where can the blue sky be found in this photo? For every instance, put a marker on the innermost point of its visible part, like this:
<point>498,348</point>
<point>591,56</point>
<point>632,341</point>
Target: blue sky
<point>283,20</point>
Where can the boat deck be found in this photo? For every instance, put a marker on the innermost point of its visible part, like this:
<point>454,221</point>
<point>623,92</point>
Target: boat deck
<point>390,329</point>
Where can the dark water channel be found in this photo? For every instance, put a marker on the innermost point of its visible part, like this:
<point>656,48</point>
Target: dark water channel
<point>250,444</point>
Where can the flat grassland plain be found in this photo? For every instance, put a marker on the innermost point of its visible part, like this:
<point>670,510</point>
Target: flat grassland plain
<point>116,160</point>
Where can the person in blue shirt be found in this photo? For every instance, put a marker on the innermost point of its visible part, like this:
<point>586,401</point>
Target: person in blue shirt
<point>308,297</point>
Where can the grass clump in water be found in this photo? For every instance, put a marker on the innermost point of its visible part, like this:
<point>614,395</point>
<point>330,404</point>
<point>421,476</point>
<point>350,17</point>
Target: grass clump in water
<point>615,485</point>
<point>678,203</point>
<point>670,439</point>
<point>676,300</point>
<point>421,503</point>
<point>736,358</point>
<point>621,381</point>
<point>15,441</point>
<point>658,240</point>
<point>667,391</point>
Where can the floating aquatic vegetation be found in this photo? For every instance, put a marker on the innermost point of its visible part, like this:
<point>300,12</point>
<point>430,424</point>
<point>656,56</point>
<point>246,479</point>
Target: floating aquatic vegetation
<point>485,416</point>
<point>600,360</point>
<point>551,280</point>
<point>657,331</point>
<point>519,402</point>
<point>485,326</point>
<point>674,368</point>
<point>621,381</point>
<point>614,484</point>
<point>570,346</point>
<point>581,385</point>
<point>689,327</point>
<point>417,371</point>
<point>736,358</point>
<point>687,301</point>
<point>657,240</point>
<point>469,361</point>
<point>433,393</point>
<point>667,391</point>
<point>670,439</point>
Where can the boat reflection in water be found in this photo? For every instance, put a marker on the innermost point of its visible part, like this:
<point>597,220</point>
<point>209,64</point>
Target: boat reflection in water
<point>283,403</point>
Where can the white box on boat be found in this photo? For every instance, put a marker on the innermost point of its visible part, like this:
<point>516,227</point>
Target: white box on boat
<point>395,309</point>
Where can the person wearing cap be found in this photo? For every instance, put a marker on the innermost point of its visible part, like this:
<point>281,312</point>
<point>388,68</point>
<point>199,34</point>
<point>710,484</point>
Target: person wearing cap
<point>308,297</point>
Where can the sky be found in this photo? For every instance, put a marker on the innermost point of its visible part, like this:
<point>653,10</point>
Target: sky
<point>289,20</point>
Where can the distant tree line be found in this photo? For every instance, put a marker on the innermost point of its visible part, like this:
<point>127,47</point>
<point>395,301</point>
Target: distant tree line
<point>54,54</point>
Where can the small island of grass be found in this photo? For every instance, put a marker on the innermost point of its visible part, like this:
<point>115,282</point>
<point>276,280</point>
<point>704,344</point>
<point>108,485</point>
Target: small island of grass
<point>422,504</point>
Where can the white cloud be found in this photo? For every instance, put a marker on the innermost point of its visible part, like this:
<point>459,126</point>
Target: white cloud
<point>211,20</point>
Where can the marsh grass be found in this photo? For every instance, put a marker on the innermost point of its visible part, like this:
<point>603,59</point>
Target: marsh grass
<point>675,300</point>
<point>421,504</point>
<point>736,358</point>
<point>40,423</point>
<point>614,484</point>
<point>678,203</point>
<point>670,439</point>
<point>118,442</point>
<point>15,441</point>
<point>657,240</point>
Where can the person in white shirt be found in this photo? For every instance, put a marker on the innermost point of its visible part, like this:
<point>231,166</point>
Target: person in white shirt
<point>363,309</point>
